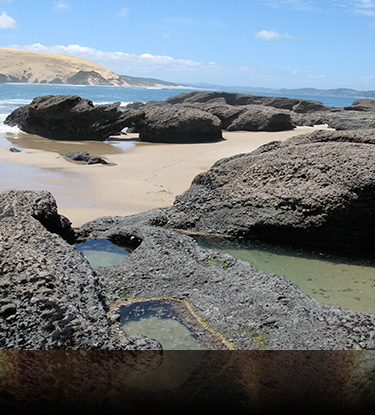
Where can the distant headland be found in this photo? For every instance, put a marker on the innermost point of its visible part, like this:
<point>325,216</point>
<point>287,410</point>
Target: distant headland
<point>19,66</point>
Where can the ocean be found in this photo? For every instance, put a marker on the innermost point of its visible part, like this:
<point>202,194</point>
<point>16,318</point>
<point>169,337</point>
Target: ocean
<point>14,95</point>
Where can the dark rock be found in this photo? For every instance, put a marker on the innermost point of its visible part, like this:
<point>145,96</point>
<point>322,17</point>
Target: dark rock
<point>228,106</point>
<point>362,105</point>
<point>172,124</point>
<point>84,156</point>
<point>245,99</point>
<point>68,117</point>
<point>230,295</point>
<point>320,191</point>
<point>245,117</point>
<point>261,118</point>
<point>46,283</point>
<point>52,299</point>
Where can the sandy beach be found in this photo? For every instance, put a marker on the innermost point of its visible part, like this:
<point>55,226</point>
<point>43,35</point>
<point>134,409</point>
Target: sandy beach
<point>140,176</point>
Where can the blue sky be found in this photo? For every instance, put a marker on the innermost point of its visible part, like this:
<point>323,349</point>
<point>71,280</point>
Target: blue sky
<point>255,43</point>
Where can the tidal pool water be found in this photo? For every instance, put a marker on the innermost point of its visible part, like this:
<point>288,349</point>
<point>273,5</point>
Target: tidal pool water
<point>343,281</point>
<point>103,253</point>
<point>170,322</point>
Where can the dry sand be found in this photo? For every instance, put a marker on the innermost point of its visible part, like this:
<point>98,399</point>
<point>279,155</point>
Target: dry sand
<point>143,177</point>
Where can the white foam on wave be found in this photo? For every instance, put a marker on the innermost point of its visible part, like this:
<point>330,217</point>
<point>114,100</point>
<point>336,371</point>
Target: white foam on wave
<point>14,102</point>
<point>122,104</point>
<point>7,128</point>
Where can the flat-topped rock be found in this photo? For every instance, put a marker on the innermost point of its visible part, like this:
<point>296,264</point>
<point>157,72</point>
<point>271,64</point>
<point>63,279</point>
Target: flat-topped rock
<point>319,191</point>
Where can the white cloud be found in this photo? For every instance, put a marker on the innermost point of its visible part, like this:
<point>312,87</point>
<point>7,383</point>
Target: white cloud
<point>118,59</point>
<point>61,6</point>
<point>123,12</point>
<point>364,7</point>
<point>7,22</point>
<point>272,35</point>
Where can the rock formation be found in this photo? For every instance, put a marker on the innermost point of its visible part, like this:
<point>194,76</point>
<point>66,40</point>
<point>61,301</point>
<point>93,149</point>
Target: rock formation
<point>172,124</point>
<point>229,106</point>
<point>313,189</point>
<point>50,296</point>
<point>249,307</point>
<point>70,117</point>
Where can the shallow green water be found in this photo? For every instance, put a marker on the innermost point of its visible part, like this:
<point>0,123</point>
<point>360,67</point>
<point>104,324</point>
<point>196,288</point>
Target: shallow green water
<point>102,253</point>
<point>161,320</point>
<point>332,279</point>
<point>169,332</point>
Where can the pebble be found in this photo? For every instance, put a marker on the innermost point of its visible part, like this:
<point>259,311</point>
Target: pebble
<point>271,320</point>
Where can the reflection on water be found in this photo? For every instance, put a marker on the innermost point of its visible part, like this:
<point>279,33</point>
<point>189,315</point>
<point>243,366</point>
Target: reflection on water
<point>103,253</point>
<point>332,279</point>
<point>115,145</point>
<point>171,322</point>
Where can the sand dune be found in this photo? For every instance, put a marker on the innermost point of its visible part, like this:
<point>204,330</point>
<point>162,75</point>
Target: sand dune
<point>37,67</point>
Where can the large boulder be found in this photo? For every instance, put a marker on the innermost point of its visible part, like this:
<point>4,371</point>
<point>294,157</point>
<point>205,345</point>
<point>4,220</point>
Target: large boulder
<point>174,124</point>
<point>70,117</point>
<point>319,191</point>
<point>261,118</point>
<point>50,297</point>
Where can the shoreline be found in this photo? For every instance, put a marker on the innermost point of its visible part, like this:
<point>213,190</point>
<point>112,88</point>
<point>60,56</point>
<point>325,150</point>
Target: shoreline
<point>137,179</point>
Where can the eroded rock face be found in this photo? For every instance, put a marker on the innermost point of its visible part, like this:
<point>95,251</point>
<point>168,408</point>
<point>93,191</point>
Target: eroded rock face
<point>50,296</point>
<point>52,299</point>
<point>316,189</point>
<point>241,302</point>
<point>70,117</point>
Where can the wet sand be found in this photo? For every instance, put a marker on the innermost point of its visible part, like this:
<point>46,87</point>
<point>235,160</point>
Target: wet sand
<point>139,177</point>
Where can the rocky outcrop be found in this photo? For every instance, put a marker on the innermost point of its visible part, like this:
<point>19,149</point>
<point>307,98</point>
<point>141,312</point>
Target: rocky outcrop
<point>239,301</point>
<point>316,189</point>
<point>172,124</point>
<point>235,99</point>
<point>52,299</point>
<point>229,106</point>
<point>70,117</point>
<point>362,105</point>
<point>50,296</point>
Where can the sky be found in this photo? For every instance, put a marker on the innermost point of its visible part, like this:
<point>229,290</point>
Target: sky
<point>254,43</point>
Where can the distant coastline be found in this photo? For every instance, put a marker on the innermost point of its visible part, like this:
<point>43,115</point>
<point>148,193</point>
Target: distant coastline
<point>23,67</point>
